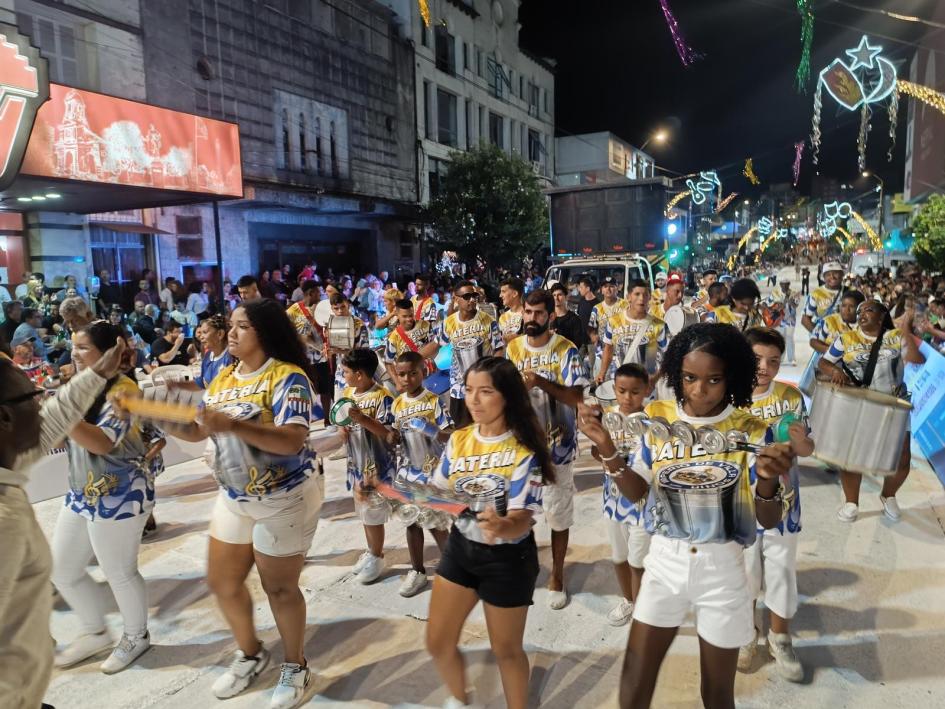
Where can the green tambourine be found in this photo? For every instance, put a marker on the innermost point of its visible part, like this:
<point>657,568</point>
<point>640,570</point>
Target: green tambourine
<point>338,415</point>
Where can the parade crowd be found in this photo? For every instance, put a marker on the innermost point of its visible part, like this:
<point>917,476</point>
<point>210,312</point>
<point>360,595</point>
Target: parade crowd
<point>673,389</point>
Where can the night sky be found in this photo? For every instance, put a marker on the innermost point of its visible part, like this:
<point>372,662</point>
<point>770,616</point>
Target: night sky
<point>618,70</point>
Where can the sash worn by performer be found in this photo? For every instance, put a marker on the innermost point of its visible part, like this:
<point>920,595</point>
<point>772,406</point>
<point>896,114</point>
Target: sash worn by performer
<point>824,300</point>
<point>302,315</point>
<point>555,377</point>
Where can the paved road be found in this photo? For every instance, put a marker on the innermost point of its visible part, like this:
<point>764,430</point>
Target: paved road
<point>871,628</point>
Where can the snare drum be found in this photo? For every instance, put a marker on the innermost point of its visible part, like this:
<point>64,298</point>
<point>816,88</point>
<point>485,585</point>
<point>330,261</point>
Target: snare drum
<point>467,352</point>
<point>698,502</point>
<point>340,332</point>
<point>858,430</point>
<point>678,317</point>
<point>484,491</point>
<point>544,407</point>
<point>605,393</point>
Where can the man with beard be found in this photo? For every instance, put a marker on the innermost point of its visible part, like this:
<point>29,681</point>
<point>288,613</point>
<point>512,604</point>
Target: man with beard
<point>555,377</point>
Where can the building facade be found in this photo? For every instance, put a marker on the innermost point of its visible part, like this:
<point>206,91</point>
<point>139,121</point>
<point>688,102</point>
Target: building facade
<point>474,84</point>
<point>599,158</point>
<point>324,96</point>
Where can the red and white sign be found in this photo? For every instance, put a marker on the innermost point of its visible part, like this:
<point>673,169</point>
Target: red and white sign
<point>24,87</point>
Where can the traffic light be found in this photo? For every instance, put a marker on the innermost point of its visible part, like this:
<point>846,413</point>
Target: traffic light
<point>673,255</point>
<point>671,228</point>
<point>686,247</point>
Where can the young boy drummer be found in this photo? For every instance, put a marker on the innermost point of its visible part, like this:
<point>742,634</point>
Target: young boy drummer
<point>772,560</point>
<point>422,450</point>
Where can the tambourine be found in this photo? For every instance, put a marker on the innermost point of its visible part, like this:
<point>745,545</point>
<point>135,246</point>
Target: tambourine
<point>340,412</point>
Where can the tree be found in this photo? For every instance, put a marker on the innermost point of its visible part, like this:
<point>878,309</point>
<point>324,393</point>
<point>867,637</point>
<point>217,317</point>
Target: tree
<point>929,230</point>
<point>490,204</point>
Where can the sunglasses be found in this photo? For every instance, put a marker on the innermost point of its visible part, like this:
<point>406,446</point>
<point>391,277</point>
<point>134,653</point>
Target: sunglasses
<point>23,397</point>
<point>468,296</point>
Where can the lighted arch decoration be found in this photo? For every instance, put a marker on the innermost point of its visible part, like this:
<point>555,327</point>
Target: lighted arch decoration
<point>870,231</point>
<point>741,243</point>
<point>846,235</point>
<point>674,201</point>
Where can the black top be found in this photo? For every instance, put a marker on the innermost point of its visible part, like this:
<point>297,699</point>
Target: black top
<point>570,326</point>
<point>161,345</point>
<point>585,308</point>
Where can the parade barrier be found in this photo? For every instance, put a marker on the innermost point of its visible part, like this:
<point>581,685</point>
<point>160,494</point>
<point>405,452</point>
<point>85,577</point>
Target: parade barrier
<point>927,384</point>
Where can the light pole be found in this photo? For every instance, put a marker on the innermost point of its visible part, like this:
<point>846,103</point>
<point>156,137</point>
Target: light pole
<point>882,202</point>
<point>659,136</point>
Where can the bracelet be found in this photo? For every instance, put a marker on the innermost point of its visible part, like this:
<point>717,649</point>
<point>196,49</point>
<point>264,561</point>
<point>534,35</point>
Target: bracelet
<point>611,457</point>
<point>777,497</point>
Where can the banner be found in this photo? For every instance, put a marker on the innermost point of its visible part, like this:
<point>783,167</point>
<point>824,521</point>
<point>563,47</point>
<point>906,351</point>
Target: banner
<point>927,384</point>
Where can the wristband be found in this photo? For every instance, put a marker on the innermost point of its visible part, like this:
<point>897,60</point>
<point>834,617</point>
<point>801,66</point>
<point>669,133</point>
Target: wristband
<point>611,457</point>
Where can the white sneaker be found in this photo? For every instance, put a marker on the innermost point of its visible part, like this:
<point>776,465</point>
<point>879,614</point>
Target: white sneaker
<point>371,569</point>
<point>746,653</point>
<point>129,649</point>
<point>241,673</point>
<point>82,648</point>
<point>291,686</point>
<point>621,613</point>
<point>453,703</point>
<point>891,508</point>
<point>782,650</point>
<point>413,583</point>
<point>557,600</point>
<point>848,512</point>
<point>362,560</point>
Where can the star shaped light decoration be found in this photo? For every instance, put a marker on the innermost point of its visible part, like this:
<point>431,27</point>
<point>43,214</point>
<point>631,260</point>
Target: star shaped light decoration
<point>864,54</point>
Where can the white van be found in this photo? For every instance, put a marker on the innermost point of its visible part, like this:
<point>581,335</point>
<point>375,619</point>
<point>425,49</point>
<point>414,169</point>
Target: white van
<point>622,268</point>
<point>876,260</point>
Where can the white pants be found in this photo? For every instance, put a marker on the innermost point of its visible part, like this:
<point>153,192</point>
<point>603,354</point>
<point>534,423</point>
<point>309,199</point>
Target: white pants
<point>557,500</point>
<point>771,563</point>
<point>628,543</point>
<point>115,544</point>
<point>788,332</point>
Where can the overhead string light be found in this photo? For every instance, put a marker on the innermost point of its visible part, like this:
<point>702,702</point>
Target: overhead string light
<point>749,172</point>
<point>798,154</point>
<point>929,97</point>
<point>687,55</point>
<point>802,77</point>
<point>815,124</point>
<point>674,201</point>
<point>862,137</point>
<point>725,202</point>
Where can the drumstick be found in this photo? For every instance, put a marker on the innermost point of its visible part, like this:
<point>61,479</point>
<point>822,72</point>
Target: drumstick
<point>158,410</point>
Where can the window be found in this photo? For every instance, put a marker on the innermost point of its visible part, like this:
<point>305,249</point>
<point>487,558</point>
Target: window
<point>189,249</point>
<point>424,33</point>
<point>319,165</point>
<point>58,44</point>
<point>446,118</point>
<point>445,50</point>
<point>478,62</point>
<point>546,100</point>
<point>465,56</point>
<point>285,139</point>
<point>427,123</point>
<point>533,97</point>
<point>511,82</point>
<point>469,124</point>
<point>406,244</point>
<point>303,148</point>
<point>437,171</point>
<point>534,146</point>
<point>482,123</point>
<point>521,86</point>
<point>495,130</point>
<point>188,224</point>
<point>333,150</point>
<point>513,148</point>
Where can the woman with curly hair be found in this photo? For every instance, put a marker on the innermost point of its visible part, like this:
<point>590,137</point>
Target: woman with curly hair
<point>257,411</point>
<point>489,557</point>
<point>696,558</point>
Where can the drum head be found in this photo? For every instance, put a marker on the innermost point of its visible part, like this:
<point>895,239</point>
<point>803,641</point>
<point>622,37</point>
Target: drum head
<point>605,393</point>
<point>340,331</point>
<point>339,414</point>
<point>675,319</point>
<point>322,312</point>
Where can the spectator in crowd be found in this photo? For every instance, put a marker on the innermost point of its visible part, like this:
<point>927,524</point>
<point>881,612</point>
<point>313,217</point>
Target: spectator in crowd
<point>19,293</point>
<point>24,356</point>
<point>279,290</point>
<point>187,320</point>
<point>146,293</point>
<point>12,316</point>
<point>172,348</point>
<point>31,321</point>
<point>265,285</point>
<point>145,324</point>
<point>70,283</point>
<point>248,288</point>
<point>168,293</point>
<point>35,297</point>
<point>109,293</point>
<point>199,299</point>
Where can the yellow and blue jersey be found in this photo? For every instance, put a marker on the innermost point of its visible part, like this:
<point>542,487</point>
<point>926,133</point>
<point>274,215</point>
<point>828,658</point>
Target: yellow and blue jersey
<point>510,322</point>
<point>211,366</point>
<point>770,407</point>
<point>421,453</point>
<point>853,349</point>
<point>621,331</point>
<point>118,484</point>
<point>304,321</point>
<point>421,334</point>
<point>368,455</point>
<point>821,302</point>
<point>427,312</point>
<point>278,393</point>
<point>478,464</point>
<point>830,328</point>
<point>361,341</point>
<point>558,361</point>
<point>616,506</point>
<point>724,314</point>
<point>478,337</point>
<point>695,495</point>
<point>603,312</point>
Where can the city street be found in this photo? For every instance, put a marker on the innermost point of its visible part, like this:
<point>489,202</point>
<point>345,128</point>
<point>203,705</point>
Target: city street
<point>870,631</point>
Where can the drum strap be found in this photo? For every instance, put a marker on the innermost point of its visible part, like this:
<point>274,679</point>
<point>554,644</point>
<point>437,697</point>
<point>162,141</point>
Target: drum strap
<point>637,339</point>
<point>318,328</point>
<point>420,305</point>
<point>874,357</point>
<point>830,308</point>
<point>408,340</point>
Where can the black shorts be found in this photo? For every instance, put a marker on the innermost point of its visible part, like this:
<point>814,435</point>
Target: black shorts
<point>324,382</point>
<point>502,575</point>
<point>459,413</point>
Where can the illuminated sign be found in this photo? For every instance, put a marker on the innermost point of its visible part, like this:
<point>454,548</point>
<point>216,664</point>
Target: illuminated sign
<point>708,182</point>
<point>845,85</point>
<point>24,87</point>
<point>81,135</point>
<point>833,211</point>
<point>765,225</point>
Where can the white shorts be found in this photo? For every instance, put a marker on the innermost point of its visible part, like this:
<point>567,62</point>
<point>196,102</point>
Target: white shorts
<point>771,564</point>
<point>370,515</point>
<point>557,501</point>
<point>282,524</point>
<point>628,543</point>
<point>707,579</point>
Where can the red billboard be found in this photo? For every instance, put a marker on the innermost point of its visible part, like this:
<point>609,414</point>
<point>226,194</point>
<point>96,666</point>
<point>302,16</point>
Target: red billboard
<point>90,137</point>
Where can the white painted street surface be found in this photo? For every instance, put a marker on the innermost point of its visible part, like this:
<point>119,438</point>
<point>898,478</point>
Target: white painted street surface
<point>870,631</point>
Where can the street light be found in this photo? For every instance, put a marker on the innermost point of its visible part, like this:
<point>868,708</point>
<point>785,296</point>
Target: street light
<point>882,204</point>
<point>659,136</point>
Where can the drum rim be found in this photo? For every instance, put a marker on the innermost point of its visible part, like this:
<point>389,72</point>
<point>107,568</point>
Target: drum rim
<point>859,393</point>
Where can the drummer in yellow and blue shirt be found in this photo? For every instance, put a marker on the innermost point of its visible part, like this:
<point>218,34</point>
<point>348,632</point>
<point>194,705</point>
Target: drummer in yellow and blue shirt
<point>824,300</point>
<point>743,309</point>
<point>633,335</point>
<point>555,376</point>
<point>773,558</point>
<point>696,558</point>
<point>341,307</point>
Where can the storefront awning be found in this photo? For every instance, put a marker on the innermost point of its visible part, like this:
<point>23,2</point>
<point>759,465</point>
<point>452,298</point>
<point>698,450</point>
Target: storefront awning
<point>90,153</point>
<point>129,227</point>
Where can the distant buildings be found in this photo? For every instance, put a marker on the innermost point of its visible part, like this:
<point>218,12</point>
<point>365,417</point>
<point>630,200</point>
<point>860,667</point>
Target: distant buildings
<point>597,158</point>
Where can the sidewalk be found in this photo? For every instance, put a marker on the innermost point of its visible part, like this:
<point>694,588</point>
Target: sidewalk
<point>870,631</point>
